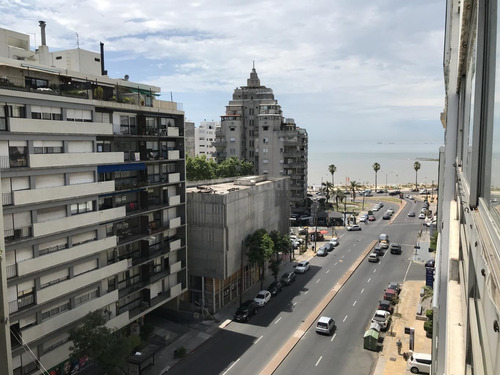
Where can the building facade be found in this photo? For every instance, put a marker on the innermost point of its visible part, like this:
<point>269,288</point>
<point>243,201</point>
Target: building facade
<point>189,139</point>
<point>205,139</point>
<point>93,200</point>
<point>221,214</point>
<point>466,301</point>
<point>255,130</point>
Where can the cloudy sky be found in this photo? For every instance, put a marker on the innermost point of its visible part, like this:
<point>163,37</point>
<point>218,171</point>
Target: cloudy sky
<point>343,69</point>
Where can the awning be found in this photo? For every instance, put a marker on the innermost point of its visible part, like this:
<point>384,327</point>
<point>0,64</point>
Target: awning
<point>143,92</point>
<point>121,167</point>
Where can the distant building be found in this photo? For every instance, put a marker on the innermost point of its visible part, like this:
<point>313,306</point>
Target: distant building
<point>255,130</point>
<point>205,138</point>
<point>189,136</point>
<point>93,200</point>
<point>221,214</point>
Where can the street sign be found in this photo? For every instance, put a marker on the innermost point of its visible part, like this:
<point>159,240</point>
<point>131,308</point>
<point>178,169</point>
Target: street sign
<point>429,277</point>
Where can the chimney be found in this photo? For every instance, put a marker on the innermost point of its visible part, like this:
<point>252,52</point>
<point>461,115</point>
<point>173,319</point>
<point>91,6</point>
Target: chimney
<point>42,27</point>
<point>103,71</point>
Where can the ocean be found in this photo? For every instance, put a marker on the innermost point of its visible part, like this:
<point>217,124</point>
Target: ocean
<point>354,162</point>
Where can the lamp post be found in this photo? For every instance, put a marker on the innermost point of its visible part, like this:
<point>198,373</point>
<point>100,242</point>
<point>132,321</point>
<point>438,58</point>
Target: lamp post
<point>315,218</point>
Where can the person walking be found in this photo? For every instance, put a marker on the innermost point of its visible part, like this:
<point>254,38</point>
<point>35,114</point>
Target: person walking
<point>399,344</point>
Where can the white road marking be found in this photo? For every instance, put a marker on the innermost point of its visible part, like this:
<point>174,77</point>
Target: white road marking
<point>230,367</point>
<point>335,334</point>
<point>294,303</point>
<point>344,319</point>
<point>362,290</point>
<point>319,359</point>
<point>342,257</point>
<point>327,271</point>
<point>317,281</point>
<point>349,250</point>
<point>306,291</point>
<point>368,280</point>
<point>354,303</point>
<point>375,270</point>
<point>277,321</point>
<point>256,341</point>
<point>335,263</point>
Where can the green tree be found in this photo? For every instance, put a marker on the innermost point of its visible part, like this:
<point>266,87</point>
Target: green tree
<point>200,168</point>
<point>332,169</point>
<point>376,168</point>
<point>354,187</point>
<point>260,249</point>
<point>234,167</point>
<point>103,345</point>
<point>416,166</point>
<point>339,195</point>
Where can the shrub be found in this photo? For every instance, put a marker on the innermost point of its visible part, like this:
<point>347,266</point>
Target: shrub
<point>180,352</point>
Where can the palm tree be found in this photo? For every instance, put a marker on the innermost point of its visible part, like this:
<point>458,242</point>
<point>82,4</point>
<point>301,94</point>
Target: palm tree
<point>376,168</point>
<point>354,186</point>
<point>416,166</point>
<point>339,195</point>
<point>332,169</point>
<point>327,188</point>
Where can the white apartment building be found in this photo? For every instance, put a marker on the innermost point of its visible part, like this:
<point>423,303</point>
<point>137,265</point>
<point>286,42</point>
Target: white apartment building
<point>93,200</point>
<point>255,130</point>
<point>205,138</point>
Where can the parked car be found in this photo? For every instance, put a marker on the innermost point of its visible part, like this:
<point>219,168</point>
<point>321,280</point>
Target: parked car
<point>287,278</point>
<point>420,362</point>
<point>353,227</point>
<point>382,317</point>
<point>373,257</point>
<point>383,237</point>
<point>363,219</point>
<point>275,287</point>
<point>411,214</point>
<point>394,286</point>
<point>376,208</point>
<point>378,250</point>
<point>386,217</point>
<point>325,324</point>
<point>302,267</point>
<point>385,305</point>
<point>329,246</point>
<point>430,263</point>
<point>421,216</point>
<point>263,297</point>
<point>246,310</point>
<point>384,244</point>
<point>302,231</point>
<point>390,210</point>
<point>395,248</point>
<point>371,218</point>
<point>322,251</point>
<point>334,241</point>
<point>390,295</point>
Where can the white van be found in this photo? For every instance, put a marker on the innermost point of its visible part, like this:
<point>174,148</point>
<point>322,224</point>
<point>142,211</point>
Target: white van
<point>420,362</point>
<point>383,237</point>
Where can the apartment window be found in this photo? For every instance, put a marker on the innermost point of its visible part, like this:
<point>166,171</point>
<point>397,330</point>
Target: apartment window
<point>45,113</point>
<point>54,278</point>
<point>80,208</point>
<point>48,147</point>
<point>265,150</point>
<point>265,140</point>
<point>103,146</point>
<point>47,314</point>
<point>265,161</point>
<point>232,151</point>
<point>80,115</point>
<point>86,297</point>
<point>36,82</point>
<point>127,124</point>
<point>232,139</point>
<point>265,127</point>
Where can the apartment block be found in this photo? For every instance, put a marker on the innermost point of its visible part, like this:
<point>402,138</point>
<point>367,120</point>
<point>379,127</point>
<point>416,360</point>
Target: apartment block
<point>93,200</point>
<point>253,128</point>
<point>221,214</point>
<point>204,136</point>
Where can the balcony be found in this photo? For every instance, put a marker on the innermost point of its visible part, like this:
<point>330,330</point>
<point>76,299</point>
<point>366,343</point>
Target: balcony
<point>17,234</point>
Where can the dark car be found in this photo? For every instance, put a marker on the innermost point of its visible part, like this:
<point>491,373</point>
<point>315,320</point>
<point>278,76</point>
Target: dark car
<point>411,214</point>
<point>246,310</point>
<point>275,287</point>
<point>288,278</point>
<point>386,217</point>
<point>385,305</point>
<point>394,286</point>
<point>395,248</point>
<point>430,263</point>
<point>378,250</point>
<point>322,251</point>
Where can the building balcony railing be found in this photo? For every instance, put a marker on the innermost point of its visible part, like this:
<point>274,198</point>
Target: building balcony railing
<point>17,234</point>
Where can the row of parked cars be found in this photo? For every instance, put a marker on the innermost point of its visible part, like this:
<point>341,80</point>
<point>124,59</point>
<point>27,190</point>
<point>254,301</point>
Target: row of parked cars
<point>382,317</point>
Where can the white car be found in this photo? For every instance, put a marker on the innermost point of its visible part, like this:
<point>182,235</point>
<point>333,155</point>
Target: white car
<point>353,227</point>
<point>382,317</point>
<point>334,241</point>
<point>263,297</point>
<point>363,219</point>
<point>421,216</point>
<point>302,267</point>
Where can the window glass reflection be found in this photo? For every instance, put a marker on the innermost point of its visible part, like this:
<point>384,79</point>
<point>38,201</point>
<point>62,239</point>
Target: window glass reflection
<point>495,156</point>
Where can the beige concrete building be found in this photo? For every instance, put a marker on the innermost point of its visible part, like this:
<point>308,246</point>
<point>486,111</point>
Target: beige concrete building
<point>221,214</point>
<point>255,130</point>
<point>93,200</point>
<point>205,139</point>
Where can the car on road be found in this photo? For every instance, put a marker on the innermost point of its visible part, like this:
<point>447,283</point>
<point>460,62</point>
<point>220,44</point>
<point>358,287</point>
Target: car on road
<point>325,325</point>
<point>411,214</point>
<point>421,216</point>
<point>373,258</point>
<point>390,210</point>
<point>363,219</point>
<point>378,250</point>
<point>388,213</point>
<point>384,244</point>
<point>385,305</point>
<point>376,208</point>
<point>246,310</point>
<point>302,231</point>
<point>430,263</point>
<point>394,286</point>
<point>263,297</point>
<point>322,251</point>
<point>371,218</point>
<point>419,362</point>
<point>386,217</point>
<point>353,227</point>
<point>395,248</point>
<point>287,278</point>
<point>275,287</point>
<point>390,295</point>
<point>382,317</point>
<point>334,241</point>
<point>302,267</point>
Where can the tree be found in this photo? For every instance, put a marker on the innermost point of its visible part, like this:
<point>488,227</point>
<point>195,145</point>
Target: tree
<point>416,166</point>
<point>234,167</point>
<point>200,168</point>
<point>281,245</point>
<point>339,195</point>
<point>327,188</point>
<point>376,168</point>
<point>354,187</point>
<point>260,249</point>
<point>332,169</point>
<point>102,345</point>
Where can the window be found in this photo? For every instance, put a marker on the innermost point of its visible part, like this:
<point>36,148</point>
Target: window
<point>265,127</point>
<point>80,208</point>
<point>265,161</point>
<point>58,57</point>
<point>494,157</point>
<point>45,113</point>
<point>265,140</point>
<point>127,124</point>
<point>265,150</point>
<point>47,314</point>
<point>48,147</point>
<point>232,139</point>
<point>36,82</point>
<point>83,115</point>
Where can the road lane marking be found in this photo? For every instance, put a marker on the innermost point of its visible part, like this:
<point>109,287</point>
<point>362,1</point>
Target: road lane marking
<point>230,367</point>
<point>375,270</point>
<point>317,281</point>
<point>327,271</point>
<point>335,334</point>
<point>362,290</point>
<point>349,250</point>
<point>277,321</point>
<point>319,359</point>
<point>342,257</point>
<point>256,341</point>
<point>306,291</point>
<point>344,319</point>
<point>354,303</point>
<point>368,280</point>
<point>335,263</point>
<point>294,303</point>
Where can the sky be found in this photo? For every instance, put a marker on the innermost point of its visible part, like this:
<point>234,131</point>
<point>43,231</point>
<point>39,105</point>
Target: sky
<point>345,70</point>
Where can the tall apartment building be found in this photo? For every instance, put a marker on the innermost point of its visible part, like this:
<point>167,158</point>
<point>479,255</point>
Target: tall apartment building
<point>466,302</point>
<point>189,139</point>
<point>204,136</point>
<point>254,129</point>
<point>93,199</point>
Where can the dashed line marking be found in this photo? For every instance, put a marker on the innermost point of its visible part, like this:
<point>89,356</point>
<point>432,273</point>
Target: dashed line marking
<point>344,319</point>
<point>335,263</point>
<point>225,372</point>
<point>256,341</point>
<point>354,303</point>
<point>349,250</point>
<point>375,270</point>
<point>362,290</point>
<point>327,271</point>
<point>335,334</point>
<point>319,359</point>
<point>342,257</point>
<point>277,320</point>
<point>306,291</point>
<point>368,280</point>
<point>294,303</point>
<point>317,281</point>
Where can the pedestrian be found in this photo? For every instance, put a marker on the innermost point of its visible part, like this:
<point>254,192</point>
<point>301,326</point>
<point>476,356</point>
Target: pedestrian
<point>399,344</point>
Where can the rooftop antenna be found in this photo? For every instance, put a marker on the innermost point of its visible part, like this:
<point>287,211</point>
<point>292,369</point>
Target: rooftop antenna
<point>253,64</point>
<point>77,41</point>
